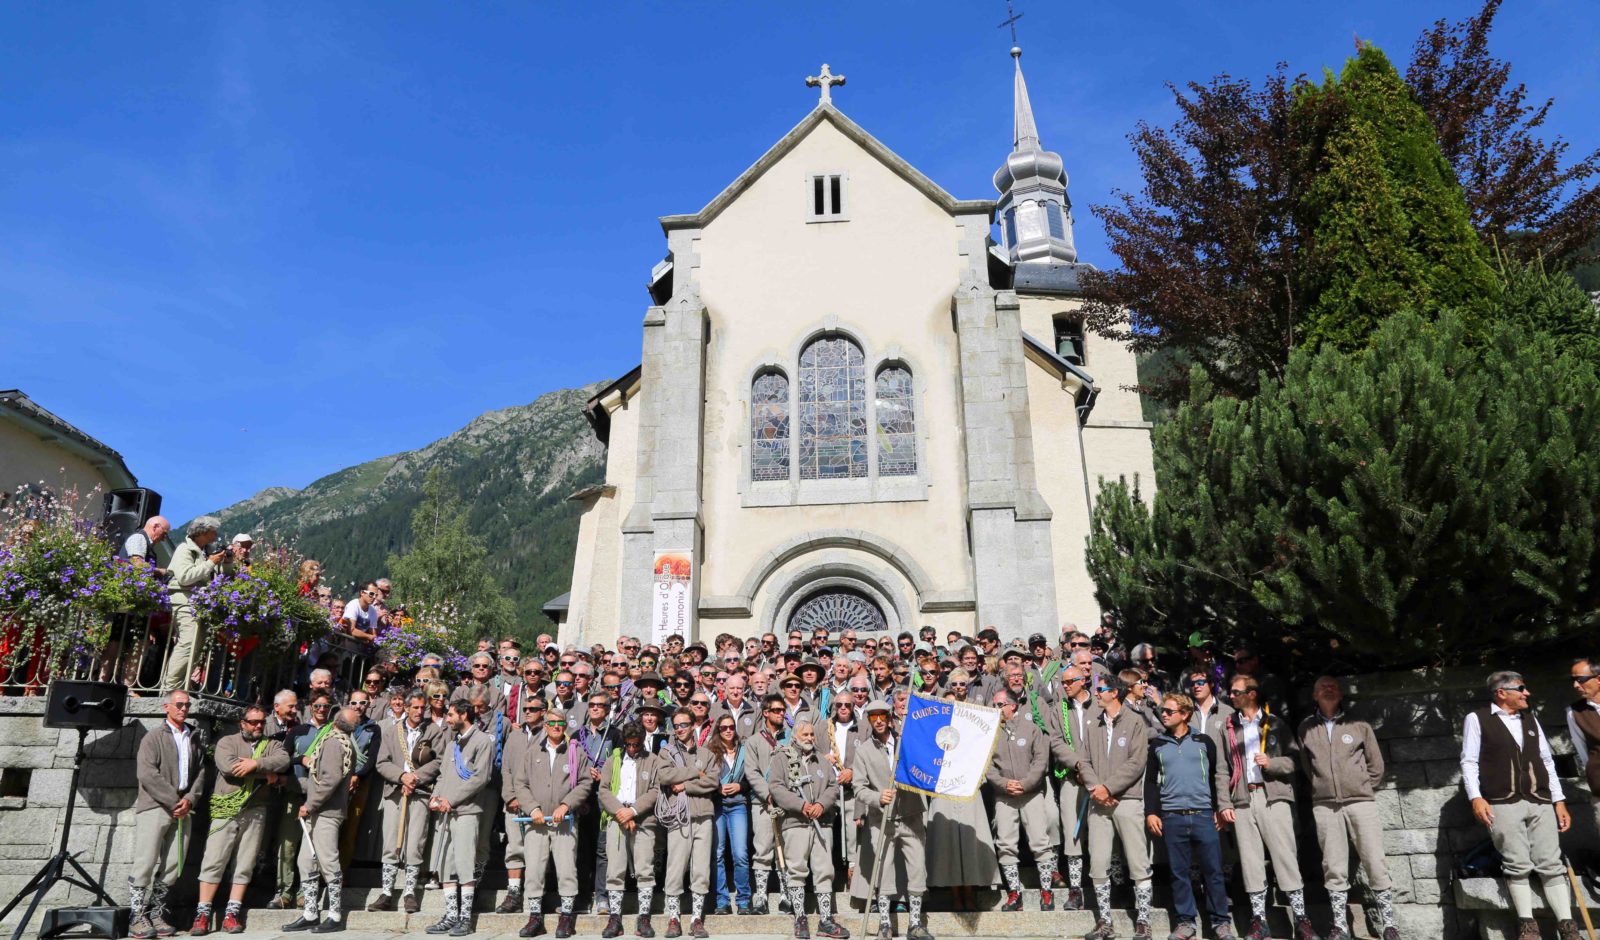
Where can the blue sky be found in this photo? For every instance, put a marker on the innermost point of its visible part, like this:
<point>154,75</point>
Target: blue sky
<point>249,244</point>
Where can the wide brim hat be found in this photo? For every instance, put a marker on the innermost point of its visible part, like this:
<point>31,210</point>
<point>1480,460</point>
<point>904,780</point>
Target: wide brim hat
<point>811,664</point>
<point>651,678</point>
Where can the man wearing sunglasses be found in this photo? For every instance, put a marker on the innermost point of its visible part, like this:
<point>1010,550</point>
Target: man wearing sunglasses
<point>1111,762</point>
<point>1184,785</point>
<point>760,749</point>
<point>628,792</point>
<point>1210,712</point>
<point>1510,777</point>
<point>527,735</point>
<point>1583,721</point>
<point>553,783</point>
<point>480,673</point>
<point>1067,723</point>
<point>248,762</point>
<point>409,753</point>
<point>1344,766</point>
<point>688,780</point>
<point>508,682</point>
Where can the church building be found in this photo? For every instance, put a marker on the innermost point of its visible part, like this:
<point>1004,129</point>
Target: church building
<point>858,406</point>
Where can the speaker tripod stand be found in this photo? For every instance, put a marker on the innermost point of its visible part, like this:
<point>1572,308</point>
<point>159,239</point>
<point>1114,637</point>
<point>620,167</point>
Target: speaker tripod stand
<point>102,920</point>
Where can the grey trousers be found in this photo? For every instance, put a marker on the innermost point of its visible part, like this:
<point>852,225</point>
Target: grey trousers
<point>539,845</point>
<point>689,854</point>
<point>459,858</point>
<point>762,853</point>
<point>158,847</point>
<point>1015,814</point>
<point>1525,835</point>
<point>1264,828</point>
<point>1123,823</point>
<point>1337,827</point>
<point>417,821</point>
<point>186,627</point>
<point>324,845</point>
<point>514,850</point>
<point>636,849</point>
<point>807,853</point>
<point>1073,835</point>
<point>236,840</point>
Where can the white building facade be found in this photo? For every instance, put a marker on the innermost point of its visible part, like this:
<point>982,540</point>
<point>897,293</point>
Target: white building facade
<point>856,409</point>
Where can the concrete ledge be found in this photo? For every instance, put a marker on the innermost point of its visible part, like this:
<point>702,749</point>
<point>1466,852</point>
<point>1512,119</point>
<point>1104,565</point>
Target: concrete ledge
<point>1489,894</point>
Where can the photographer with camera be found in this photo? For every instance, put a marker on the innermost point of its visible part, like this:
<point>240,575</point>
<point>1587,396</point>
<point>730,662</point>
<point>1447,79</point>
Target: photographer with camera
<point>194,563</point>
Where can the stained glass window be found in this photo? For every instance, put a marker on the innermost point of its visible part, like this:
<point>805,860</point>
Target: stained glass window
<point>833,410</point>
<point>837,611</point>
<point>769,427</point>
<point>897,423</point>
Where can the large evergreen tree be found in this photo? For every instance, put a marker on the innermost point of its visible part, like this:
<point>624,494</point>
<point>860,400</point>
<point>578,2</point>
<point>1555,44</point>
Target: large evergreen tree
<point>1423,501</point>
<point>445,566</point>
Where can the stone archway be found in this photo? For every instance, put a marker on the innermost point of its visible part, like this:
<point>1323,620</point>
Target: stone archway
<point>837,609</point>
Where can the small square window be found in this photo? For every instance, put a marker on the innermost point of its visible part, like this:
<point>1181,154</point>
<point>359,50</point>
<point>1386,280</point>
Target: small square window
<point>826,197</point>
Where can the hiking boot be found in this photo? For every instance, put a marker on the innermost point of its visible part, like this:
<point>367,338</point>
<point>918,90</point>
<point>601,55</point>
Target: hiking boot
<point>383,902</point>
<point>283,902</point>
<point>1183,932</point>
<point>1224,931</point>
<point>723,910</point>
<point>1047,900</point>
<point>1141,930</point>
<point>1303,929</point>
<point>1393,933</point>
<point>299,923</point>
<point>1565,929</point>
<point>158,919</point>
<point>565,924</point>
<point>918,932</point>
<point>1074,900</point>
<point>141,928</point>
<point>329,925</point>
<point>510,904</point>
<point>642,928</point>
<point>674,928</point>
<point>832,929</point>
<point>697,929</point>
<point>801,930</point>
<point>411,903</point>
<point>1013,901</point>
<point>1257,931</point>
<point>1102,931</point>
<point>1528,929</point>
<point>442,925</point>
<point>784,907</point>
<point>758,905</point>
<point>534,927</point>
<point>463,927</point>
<point>613,927</point>
<point>202,925</point>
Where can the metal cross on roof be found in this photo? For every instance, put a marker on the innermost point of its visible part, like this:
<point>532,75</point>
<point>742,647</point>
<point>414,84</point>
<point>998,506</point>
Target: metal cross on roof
<point>825,81</point>
<point>1011,21</point>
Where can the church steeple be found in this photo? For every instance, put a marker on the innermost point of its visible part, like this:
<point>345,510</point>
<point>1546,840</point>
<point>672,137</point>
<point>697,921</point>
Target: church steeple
<point>1035,212</point>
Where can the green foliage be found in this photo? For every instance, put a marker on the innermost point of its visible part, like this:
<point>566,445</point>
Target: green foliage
<point>445,565</point>
<point>1386,225</point>
<point>1551,302</point>
<point>1422,501</point>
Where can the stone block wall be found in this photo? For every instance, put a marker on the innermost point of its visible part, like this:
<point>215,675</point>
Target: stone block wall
<point>1428,824</point>
<point>102,824</point>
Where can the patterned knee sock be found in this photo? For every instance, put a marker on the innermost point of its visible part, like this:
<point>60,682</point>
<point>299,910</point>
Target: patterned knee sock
<point>1074,871</point>
<point>914,904</point>
<point>1047,872</point>
<point>535,902</point>
<point>884,907</point>
<point>1141,900</point>
<point>1385,901</point>
<point>1340,902</point>
<point>235,908</point>
<point>567,902</point>
<point>1297,903</point>
<point>412,874</point>
<point>335,906</point>
<point>697,906</point>
<point>469,896</point>
<point>797,899</point>
<point>204,907</point>
<point>1102,901</point>
<point>647,897</point>
<point>308,896</point>
<point>825,905</point>
<point>1013,877</point>
<point>1258,904</point>
<point>514,885</point>
<point>136,900</point>
<point>390,872</point>
<point>672,906</point>
<point>452,910</point>
<point>614,903</point>
<point>158,899</point>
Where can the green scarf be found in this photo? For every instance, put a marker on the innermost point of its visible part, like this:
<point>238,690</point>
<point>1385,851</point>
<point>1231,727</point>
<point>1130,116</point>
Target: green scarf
<point>228,806</point>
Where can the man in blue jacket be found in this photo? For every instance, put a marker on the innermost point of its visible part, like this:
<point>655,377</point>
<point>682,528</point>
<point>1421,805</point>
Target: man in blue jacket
<point>1181,783</point>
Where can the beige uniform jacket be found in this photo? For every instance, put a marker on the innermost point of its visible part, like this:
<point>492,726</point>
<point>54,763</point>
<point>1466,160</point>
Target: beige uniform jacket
<point>1344,766</point>
<point>274,760</point>
<point>477,753</point>
<point>1021,754</point>
<point>543,785</point>
<point>1116,762</point>
<point>699,774</point>
<point>646,784</point>
<point>393,755</point>
<point>157,770</point>
<point>817,783</point>
<point>327,786</point>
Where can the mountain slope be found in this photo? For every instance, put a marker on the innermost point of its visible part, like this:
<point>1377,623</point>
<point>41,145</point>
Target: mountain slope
<point>514,468</point>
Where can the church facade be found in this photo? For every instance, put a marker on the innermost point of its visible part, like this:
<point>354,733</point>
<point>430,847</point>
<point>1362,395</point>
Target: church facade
<point>858,409</point>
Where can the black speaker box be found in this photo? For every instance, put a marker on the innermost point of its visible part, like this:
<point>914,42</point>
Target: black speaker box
<point>127,510</point>
<point>72,703</point>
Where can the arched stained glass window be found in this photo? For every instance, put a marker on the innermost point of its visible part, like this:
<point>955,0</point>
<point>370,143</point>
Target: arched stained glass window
<point>833,410</point>
<point>897,422</point>
<point>769,427</point>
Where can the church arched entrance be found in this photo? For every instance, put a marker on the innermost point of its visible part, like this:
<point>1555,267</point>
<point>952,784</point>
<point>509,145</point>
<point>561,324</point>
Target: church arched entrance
<point>836,610</point>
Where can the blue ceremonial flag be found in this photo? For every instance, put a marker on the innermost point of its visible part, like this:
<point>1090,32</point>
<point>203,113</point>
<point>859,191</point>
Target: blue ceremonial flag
<point>945,747</point>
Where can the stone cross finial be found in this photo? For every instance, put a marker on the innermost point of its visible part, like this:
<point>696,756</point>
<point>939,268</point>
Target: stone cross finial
<point>825,81</point>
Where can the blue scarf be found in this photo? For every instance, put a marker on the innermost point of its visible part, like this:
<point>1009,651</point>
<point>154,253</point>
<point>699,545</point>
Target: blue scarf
<point>462,770</point>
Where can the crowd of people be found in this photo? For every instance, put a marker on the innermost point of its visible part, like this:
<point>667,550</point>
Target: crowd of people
<point>711,772</point>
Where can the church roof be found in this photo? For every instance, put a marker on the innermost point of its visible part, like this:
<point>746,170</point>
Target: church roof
<point>826,112</point>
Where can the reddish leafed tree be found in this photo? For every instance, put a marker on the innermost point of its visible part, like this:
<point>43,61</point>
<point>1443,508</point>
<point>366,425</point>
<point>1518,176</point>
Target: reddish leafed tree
<point>1520,193</point>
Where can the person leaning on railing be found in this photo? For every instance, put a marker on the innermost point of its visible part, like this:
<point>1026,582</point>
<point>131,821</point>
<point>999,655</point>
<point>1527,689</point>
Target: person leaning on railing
<point>194,564</point>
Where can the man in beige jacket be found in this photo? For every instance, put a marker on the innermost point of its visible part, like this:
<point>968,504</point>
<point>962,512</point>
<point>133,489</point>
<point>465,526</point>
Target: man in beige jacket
<point>193,565</point>
<point>468,768</point>
<point>170,774</point>
<point>248,764</point>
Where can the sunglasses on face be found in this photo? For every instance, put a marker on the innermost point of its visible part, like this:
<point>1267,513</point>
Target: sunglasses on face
<point>252,721</point>
<point>1104,689</point>
<point>700,704</point>
<point>774,709</point>
<point>1513,688</point>
<point>322,705</point>
<point>437,698</point>
<point>532,709</point>
<point>563,682</point>
<point>1171,711</point>
<point>555,723</point>
<point>480,665</point>
<point>612,687</point>
<point>725,728</point>
<point>1199,681</point>
<point>682,725</point>
<point>372,680</point>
